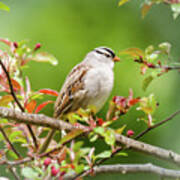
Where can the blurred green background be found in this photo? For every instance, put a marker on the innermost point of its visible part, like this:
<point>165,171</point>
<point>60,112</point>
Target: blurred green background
<point>71,28</point>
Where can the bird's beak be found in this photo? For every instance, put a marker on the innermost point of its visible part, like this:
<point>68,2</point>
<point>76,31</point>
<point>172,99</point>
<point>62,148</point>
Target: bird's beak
<point>116,59</point>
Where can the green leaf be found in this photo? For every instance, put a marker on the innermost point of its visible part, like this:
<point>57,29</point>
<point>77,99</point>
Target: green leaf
<point>176,10</point>
<point>149,49</point>
<point>29,173</point>
<point>43,134</point>
<point>148,104</point>
<point>122,154</point>
<point>165,46</point>
<point>79,168</point>
<point>152,102</point>
<point>85,151</point>
<point>99,130</point>
<point>110,137</point>
<point>45,57</point>
<point>146,82</point>
<point>105,154</point>
<point>94,138</point>
<point>71,135</point>
<point>3,121</point>
<point>77,117</point>
<point>10,155</point>
<point>57,137</point>
<point>108,134</point>
<point>15,135</point>
<point>77,146</point>
<point>5,100</point>
<point>1,137</point>
<point>121,2</point>
<point>36,96</point>
<point>152,57</point>
<point>121,129</point>
<point>4,7</point>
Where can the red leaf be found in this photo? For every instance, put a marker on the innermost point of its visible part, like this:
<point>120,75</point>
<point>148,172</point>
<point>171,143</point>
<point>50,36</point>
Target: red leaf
<point>133,101</point>
<point>6,41</point>
<point>120,100</point>
<point>62,155</point>
<point>31,106</point>
<point>15,84</point>
<point>49,92</point>
<point>100,121</point>
<point>41,106</point>
<point>72,166</point>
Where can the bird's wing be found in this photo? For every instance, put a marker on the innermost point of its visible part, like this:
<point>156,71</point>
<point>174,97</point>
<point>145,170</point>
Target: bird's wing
<point>72,92</point>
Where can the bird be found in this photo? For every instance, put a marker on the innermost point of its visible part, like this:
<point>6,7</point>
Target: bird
<point>88,84</point>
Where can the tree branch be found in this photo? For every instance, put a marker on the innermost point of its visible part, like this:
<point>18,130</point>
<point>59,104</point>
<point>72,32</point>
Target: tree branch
<point>9,142</point>
<point>149,149</point>
<point>38,120</point>
<point>157,124</point>
<point>17,101</point>
<point>42,120</point>
<point>131,168</point>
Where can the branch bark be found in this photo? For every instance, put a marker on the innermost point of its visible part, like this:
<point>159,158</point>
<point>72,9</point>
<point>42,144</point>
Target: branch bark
<point>38,120</point>
<point>42,120</point>
<point>131,168</point>
<point>149,149</point>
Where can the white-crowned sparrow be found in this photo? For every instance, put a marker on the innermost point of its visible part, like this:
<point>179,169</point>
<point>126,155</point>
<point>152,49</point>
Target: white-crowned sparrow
<point>88,84</point>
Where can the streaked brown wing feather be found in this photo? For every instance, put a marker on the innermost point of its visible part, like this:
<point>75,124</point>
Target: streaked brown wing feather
<point>68,100</point>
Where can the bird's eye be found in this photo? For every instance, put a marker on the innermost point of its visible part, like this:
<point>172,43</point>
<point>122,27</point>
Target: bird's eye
<point>107,55</point>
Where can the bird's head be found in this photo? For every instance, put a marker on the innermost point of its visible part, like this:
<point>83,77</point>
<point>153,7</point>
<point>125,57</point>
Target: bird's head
<point>102,55</point>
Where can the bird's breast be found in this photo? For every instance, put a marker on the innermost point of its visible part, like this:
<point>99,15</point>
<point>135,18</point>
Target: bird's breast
<point>99,83</point>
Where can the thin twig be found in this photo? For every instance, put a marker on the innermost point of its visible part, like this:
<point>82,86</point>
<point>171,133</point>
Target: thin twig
<point>166,67</point>
<point>14,173</point>
<point>9,142</point>
<point>17,102</point>
<point>157,124</point>
<point>137,137</point>
<point>154,66</point>
<point>17,162</point>
<point>131,168</point>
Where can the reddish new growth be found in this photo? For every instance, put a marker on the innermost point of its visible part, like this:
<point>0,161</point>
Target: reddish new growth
<point>47,162</point>
<point>125,103</point>
<point>15,44</point>
<point>54,171</point>
<point>141,60</point>
<point>130,133</point>
<point>100,121</point>
<point>38,45</point>
<point>158,65</point>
